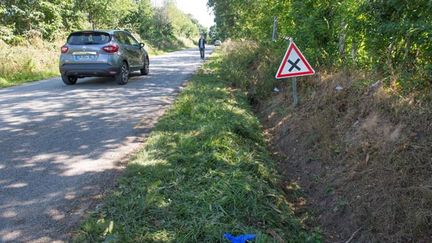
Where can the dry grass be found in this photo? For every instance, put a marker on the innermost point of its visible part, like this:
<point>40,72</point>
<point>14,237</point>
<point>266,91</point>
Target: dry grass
<point>367,157</point>
<point>30,61</point>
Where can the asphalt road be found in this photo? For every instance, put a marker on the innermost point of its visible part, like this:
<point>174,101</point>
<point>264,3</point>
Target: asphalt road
<point>62,146</point>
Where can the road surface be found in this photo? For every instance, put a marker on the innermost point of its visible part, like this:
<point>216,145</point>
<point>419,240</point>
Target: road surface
<point>62,146</point>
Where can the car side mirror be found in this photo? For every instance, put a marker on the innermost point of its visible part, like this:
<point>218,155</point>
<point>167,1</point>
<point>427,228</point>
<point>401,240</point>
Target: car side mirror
<point>141,45</point>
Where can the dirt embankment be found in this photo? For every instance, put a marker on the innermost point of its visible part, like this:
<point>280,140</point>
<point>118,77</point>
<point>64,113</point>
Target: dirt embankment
<point>363,157</point>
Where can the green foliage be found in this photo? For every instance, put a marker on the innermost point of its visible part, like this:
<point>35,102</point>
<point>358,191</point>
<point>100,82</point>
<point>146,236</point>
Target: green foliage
<point>251,66</point>
<point>46,17</point>
<point>169,23</point>
<point>29,26</point>
<point>204,171</point>
<point>106,14</point>
<point>392,38</point>
<point>181,22</point>
<point>214,33</point>
<point>161,26</point>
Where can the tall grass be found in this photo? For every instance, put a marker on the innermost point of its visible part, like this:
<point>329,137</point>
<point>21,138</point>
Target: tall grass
<point>204,171</point>
<point>251,66</point>
<point>33,60</point>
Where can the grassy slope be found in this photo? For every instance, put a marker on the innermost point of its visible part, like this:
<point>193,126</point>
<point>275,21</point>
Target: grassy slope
<point>362,155</point>
<point>21,64</point>
<point>204,171</point>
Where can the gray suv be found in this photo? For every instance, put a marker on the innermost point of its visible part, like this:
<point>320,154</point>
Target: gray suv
<point>113,53</point>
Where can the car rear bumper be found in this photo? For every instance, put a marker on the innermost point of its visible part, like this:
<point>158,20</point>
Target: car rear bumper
<point>89,70</point>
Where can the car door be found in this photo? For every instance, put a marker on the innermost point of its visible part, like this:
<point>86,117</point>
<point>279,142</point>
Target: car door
<point>136,50</point>
<point>127,51</point>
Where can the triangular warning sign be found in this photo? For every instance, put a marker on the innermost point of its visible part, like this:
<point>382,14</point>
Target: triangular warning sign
<point>294,64</point>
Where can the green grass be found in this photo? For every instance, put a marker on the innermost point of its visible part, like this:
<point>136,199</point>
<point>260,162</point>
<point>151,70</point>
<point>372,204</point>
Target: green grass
<point>203,171</point>
<point>25,77</point>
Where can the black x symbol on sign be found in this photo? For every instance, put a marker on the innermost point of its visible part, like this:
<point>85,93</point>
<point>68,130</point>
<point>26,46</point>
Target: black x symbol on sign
<point>294,65</point>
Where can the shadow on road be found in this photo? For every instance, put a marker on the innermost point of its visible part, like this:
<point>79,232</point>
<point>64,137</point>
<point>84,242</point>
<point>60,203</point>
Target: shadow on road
<point>60,145</point>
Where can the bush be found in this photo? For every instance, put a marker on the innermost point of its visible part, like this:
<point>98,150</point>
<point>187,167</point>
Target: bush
<point>391,38</point>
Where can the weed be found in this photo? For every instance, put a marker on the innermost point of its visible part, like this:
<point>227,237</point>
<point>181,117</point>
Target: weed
<point>329,190</point>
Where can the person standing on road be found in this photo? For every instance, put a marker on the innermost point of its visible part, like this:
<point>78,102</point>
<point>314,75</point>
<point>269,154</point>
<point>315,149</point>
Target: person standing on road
<point>201,44</point>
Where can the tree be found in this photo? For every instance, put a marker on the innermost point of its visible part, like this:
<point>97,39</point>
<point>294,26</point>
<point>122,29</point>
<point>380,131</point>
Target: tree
<point>106,13</point>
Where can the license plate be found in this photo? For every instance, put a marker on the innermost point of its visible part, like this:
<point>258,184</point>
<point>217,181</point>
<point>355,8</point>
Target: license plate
<point>85,57</point>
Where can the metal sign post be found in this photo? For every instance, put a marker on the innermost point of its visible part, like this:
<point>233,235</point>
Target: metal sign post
<point>293,65</point>
<point>294,83</point>
<point>294,92</point>
<point>274,29</point>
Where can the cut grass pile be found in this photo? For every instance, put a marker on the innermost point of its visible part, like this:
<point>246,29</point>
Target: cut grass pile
<point>204,171</point>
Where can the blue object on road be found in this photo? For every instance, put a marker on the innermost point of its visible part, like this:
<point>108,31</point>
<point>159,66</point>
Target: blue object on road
<point>240,238</point>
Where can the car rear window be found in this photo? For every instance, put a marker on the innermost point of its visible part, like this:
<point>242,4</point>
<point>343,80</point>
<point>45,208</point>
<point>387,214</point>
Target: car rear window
<point>89,38</point>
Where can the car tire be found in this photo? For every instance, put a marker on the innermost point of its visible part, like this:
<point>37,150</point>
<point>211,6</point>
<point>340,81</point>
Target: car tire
<point>146,69</point>
<point>69,80</point>
<point>122,77</point>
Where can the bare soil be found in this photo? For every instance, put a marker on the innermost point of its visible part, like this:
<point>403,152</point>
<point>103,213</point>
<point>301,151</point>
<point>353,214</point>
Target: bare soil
<point>362,158</point>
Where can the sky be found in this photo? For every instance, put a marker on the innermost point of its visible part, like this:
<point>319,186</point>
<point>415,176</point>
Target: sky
<point>198,9</point>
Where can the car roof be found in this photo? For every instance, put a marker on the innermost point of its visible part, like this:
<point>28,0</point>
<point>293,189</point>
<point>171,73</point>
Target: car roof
<point>103,31</point>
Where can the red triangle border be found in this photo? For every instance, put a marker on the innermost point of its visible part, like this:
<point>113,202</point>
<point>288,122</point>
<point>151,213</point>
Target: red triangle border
<point>294,47</point>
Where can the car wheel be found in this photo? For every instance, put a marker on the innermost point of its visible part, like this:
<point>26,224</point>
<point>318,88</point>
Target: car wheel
<point>146,69</point>
<point>69,80</point>
<point>123,77</point>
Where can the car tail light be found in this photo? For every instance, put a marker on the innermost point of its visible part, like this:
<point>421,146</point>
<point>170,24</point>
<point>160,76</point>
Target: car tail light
<point>111,48</point>
<point>64,49</point>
